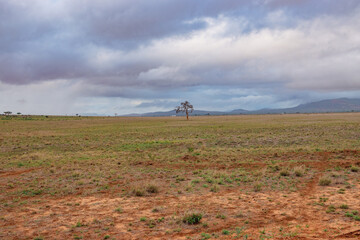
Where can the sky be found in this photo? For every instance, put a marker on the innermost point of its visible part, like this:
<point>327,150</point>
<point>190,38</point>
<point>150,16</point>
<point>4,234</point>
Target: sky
<point>136,56</point>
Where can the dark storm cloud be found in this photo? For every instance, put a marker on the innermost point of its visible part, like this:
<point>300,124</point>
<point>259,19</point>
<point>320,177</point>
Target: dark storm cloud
<point>45,40</point>
<point>46,63</point>
<point>137,21</point>
<point>159,49</point>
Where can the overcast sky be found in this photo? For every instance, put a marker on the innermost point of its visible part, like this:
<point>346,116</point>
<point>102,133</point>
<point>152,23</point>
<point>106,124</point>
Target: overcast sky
<point>126,56</point>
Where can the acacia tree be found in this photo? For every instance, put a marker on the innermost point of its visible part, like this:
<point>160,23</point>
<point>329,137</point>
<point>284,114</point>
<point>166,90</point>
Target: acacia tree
<point>185,107</point>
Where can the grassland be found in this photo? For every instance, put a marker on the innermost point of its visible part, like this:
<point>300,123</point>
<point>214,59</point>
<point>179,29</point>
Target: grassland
<point>225,177</point>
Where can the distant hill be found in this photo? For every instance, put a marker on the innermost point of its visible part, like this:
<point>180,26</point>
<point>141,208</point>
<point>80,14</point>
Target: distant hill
<point>330,105</point>
<point>173,113</point>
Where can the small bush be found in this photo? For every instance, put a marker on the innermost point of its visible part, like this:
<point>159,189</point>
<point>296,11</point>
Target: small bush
<point>325,181</point>
<point>275,168</point>
<point>344,206</point>
<point>151,224</point>
<point>339,180</point>
<point>284,173</point>
<point>152,189</point>
<point>192,218</point>
<point>354,169</point>
<point>139,192</point>
<point>354,215</point>
<point>257,187</point>
<point>209,180</point>
<point>180,179</point>
<point>347,214</point>
<point>341,191</point>
<point>222,216</point>
<point>214,189</point>
<point>119,210</point>
<point>299,171</point>
<point>195,181</point>
<point>331,209</point>
<point>205,236</point>
<point>335,175</point>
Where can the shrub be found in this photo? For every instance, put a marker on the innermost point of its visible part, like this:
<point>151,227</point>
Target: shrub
<point>354,169</point>
<point>299,171</point>
<point>209,180</point>
<point>151,224</point>
<point>192,218</point>
<point>347,214</point>
<point>341,191</point>
<point>344,206</point>
<point>325,181</point>
<point>152,189</point>
<point>257,187</point>
<point>195,181</point>
<point>331,209</point>
<point>214,189</point>
<point>205,236</point>
<point>275,168</point>
<point>139,192</point>
<point>284,173</point>
<point>180,179</point>
<point>119,210</point>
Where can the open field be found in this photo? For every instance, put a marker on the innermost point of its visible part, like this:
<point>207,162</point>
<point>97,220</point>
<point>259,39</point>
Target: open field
<point>248,177</point>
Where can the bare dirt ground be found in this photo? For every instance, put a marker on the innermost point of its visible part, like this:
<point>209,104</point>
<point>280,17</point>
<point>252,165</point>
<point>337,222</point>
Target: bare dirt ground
<point>257,215</point>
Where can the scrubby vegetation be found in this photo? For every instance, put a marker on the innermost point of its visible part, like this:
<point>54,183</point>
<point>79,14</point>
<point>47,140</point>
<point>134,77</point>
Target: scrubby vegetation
<point>254,177</point>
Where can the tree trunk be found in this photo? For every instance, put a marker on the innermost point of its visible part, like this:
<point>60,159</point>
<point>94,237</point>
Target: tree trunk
<point>187,115</point>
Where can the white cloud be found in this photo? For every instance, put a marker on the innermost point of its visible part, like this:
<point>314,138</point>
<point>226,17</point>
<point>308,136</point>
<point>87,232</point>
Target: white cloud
<point>126,52</point>
<point>320,54</point>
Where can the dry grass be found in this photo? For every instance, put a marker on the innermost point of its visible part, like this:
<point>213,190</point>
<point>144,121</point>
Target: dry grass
<point>226,164</point>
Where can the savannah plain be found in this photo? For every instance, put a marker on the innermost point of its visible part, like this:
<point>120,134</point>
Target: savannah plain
<point>215,177</point>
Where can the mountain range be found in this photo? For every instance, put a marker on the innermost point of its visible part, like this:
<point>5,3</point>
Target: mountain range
<point>324,106</point>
